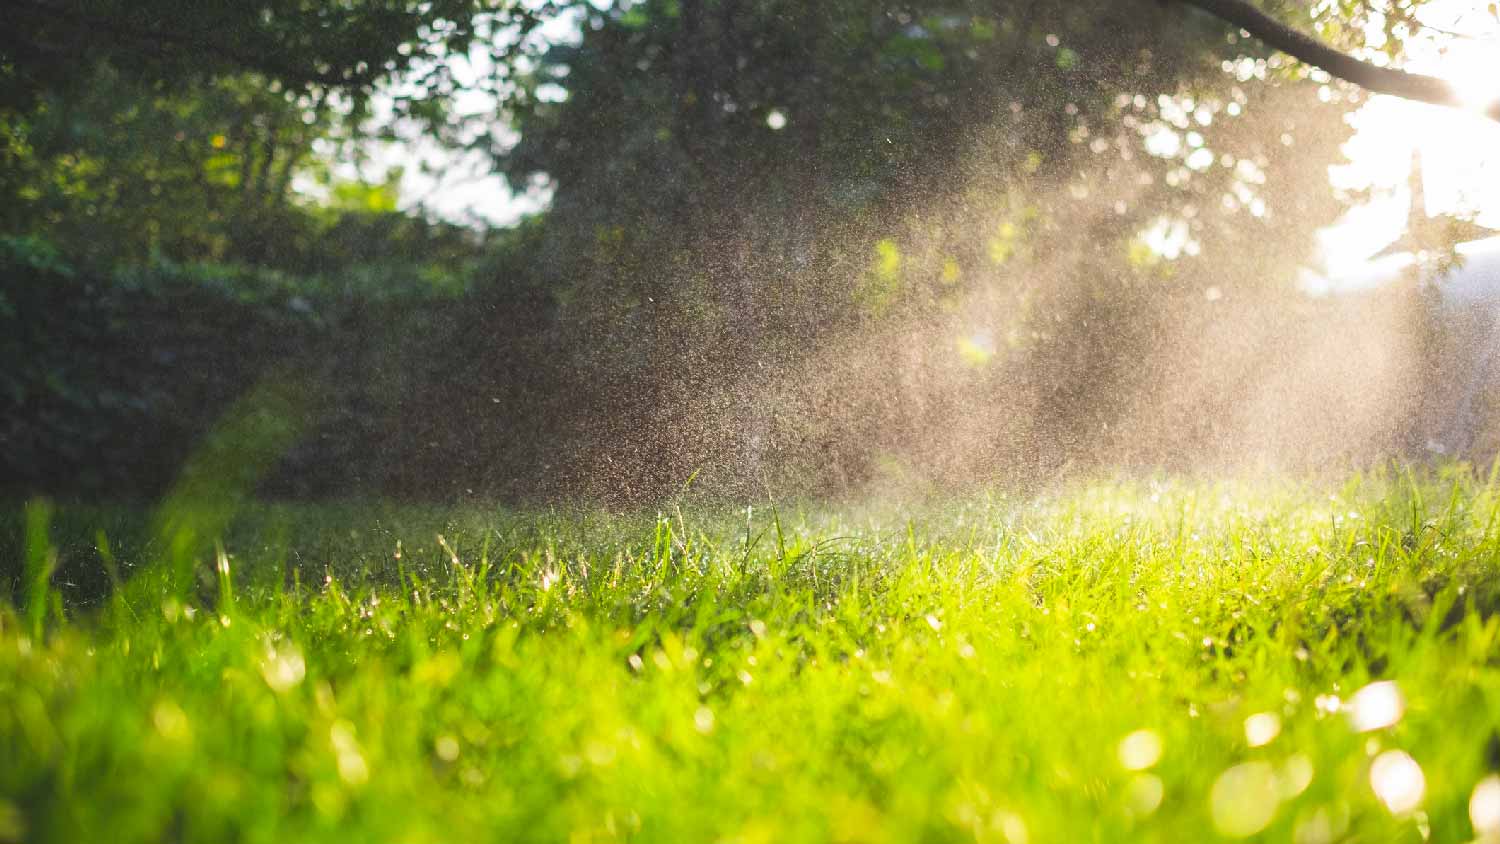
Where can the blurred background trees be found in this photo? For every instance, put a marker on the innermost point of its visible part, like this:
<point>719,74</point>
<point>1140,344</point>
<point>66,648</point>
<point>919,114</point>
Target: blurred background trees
<point>813,245</point>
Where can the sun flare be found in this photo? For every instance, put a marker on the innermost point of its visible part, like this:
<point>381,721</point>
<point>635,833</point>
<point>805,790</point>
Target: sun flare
<point>1459,149</point>
<point>1474,69</point>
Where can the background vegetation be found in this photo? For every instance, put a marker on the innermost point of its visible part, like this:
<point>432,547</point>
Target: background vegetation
<point>914,266</point>
<point>754,204</point>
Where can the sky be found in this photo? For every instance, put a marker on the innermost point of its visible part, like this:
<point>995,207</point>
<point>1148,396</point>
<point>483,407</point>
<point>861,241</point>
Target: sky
<point>449,185</point>
<point>1459,150</point>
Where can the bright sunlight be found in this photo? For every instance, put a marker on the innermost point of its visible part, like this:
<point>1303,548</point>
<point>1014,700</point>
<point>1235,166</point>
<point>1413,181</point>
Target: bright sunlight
<point>1460,152</point>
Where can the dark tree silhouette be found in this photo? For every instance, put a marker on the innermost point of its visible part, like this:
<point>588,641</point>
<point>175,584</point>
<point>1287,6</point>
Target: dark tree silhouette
<point>1304,48</point>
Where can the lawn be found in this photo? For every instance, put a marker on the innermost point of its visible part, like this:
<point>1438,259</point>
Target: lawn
<point>1177,661</point>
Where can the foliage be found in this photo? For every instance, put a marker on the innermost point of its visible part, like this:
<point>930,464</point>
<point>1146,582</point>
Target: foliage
<point>1164,662</point>
<point>111,377</point>
<point>756,201</point>
<point>135,131</point>
<point>55,46</point>
<point>121,174</point>
<point>791,132</point>
<point>745,188</point>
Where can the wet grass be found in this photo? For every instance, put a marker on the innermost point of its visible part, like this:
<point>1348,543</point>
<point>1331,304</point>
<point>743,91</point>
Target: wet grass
<point>1144,662</point>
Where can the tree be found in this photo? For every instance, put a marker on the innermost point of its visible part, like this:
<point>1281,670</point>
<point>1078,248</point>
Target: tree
<point>781,231</point>
<point>137,129</point>
<point>784,233</point>
<point>1375,78</point>
<point>54,44</point>
<point>123,171</point>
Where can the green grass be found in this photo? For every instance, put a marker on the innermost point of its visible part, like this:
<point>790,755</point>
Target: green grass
<point>1079,668</point>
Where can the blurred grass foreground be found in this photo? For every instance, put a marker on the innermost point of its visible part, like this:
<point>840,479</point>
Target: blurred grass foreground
<point>1156,661</point>
<point>333,511</point>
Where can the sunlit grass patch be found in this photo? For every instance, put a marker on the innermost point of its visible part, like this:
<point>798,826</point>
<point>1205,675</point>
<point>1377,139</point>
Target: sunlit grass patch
<point>1172,662</point>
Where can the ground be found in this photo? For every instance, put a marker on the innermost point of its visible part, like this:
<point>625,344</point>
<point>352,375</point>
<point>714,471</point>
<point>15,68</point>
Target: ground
<point>1176,661</point>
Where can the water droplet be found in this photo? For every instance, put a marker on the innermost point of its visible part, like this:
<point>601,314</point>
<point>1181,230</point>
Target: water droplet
<point>1011,827</point>
<point>1397,780</point>
<point>351,761</point>
<point>703,720</point>
<point>170,721</point>
<point>1262,728</point>
<point>1244,799</point>
<point>600,754</point>
<point>1140,750</point>
<point>1296,775</point>
<point>1484,807</point>
<point>1322,826</point>
<point>1144,794</point>
<point>282,666</point>
<point>1376,706</point>
<point>1327,704</point>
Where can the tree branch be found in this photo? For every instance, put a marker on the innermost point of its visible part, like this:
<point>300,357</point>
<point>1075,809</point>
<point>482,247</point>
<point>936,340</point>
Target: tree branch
<point>1380,80</point>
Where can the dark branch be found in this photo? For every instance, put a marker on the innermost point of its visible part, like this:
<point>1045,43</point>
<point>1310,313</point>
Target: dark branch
<point>1380,80</point>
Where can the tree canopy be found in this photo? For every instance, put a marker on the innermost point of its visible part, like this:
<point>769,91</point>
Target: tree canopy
<point>746,194</point>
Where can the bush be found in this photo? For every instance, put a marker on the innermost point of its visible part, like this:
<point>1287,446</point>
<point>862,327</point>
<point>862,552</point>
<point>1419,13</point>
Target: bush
<point>108,380</point>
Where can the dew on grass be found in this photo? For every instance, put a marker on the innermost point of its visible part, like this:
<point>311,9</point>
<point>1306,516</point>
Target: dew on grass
<point>282,666</point>
<point>1376,706</point>
<point>1140,750</point>
<point>1012,827</point>
<point>1262,728</point>
<point>1398,781</point>
<point>1144,794</point>
<point>1244,799</point>
<point>170,721</point>
<point>1327,704</point>
<point>600,754</point>
<point>351,761</point>
<point>1484,807</point>
<point>1296,775</point>
<point>703,720</point>
<point>1321,826</point>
